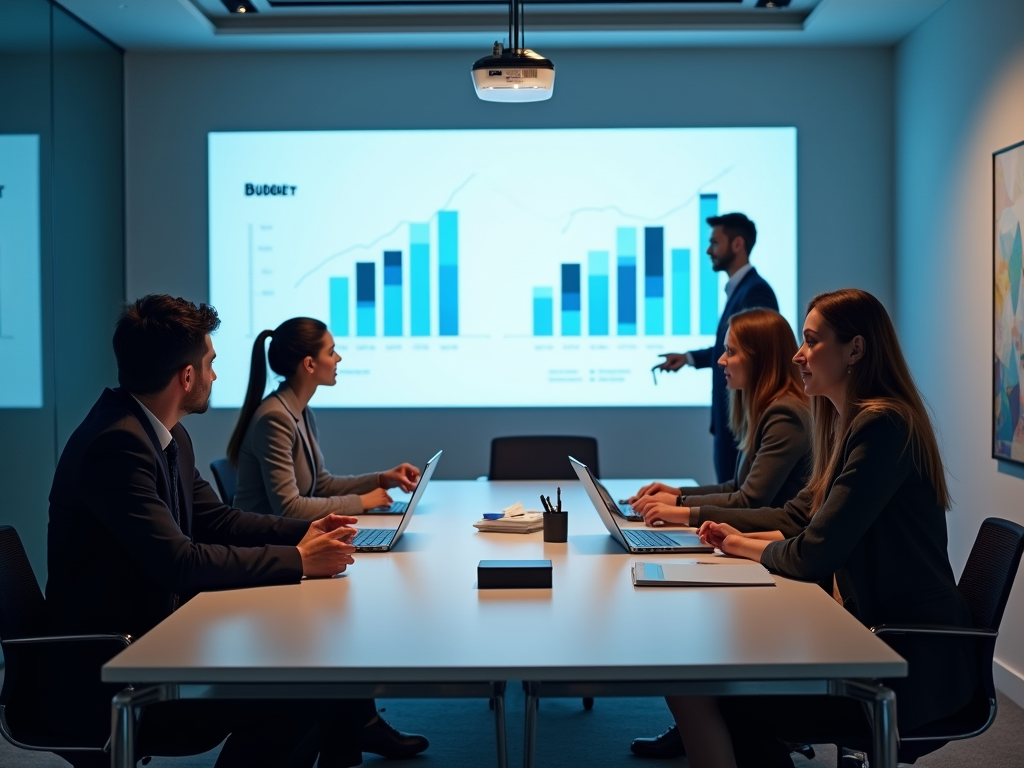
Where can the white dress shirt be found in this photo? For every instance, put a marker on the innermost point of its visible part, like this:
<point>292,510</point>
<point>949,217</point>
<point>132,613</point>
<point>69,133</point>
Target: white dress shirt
<point>162,433</point>
<point>729,288</point>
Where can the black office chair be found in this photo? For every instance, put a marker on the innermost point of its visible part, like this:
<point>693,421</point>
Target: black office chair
<point>226,478</point>
<point>41,669</point>
<point>544,457</point>
<point>985,584</point>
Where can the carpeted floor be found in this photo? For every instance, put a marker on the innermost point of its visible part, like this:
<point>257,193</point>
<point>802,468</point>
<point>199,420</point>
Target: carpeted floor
<point>462,736</point>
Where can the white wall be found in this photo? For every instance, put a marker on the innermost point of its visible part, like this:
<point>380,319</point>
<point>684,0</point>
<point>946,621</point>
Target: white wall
<point>841,102</point>
<point>960,97</point>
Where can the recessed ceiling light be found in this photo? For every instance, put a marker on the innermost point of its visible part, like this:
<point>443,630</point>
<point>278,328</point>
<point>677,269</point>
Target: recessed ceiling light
<point>239,6</point>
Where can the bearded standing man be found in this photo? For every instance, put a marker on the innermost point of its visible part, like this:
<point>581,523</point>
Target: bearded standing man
<point>732,239</point>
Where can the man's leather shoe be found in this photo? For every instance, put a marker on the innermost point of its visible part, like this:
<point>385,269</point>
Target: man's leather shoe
<point>381,738</point>
<point>668,744</point>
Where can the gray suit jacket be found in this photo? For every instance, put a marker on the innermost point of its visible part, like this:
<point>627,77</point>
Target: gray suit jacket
<point>281,469</point>
<point>773,472</point>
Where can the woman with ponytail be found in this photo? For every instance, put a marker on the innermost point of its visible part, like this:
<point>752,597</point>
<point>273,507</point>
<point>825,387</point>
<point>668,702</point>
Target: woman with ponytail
<point>870,527</point>
<point>275,445</point>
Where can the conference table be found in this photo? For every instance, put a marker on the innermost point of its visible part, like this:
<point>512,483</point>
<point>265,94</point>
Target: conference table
<point>412,623</point>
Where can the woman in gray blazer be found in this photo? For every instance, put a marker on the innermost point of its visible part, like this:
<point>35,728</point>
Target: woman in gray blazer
<point>275,445</point>
<point>769,414</point>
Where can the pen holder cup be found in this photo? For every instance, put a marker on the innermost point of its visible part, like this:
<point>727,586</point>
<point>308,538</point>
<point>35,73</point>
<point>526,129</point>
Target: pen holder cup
<point>556,527</point>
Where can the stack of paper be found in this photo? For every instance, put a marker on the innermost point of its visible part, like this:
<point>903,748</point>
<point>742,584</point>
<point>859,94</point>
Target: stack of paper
<point>515,519</point>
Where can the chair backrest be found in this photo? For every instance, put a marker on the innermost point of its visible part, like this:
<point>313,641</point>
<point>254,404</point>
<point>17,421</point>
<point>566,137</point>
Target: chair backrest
<point>22,609</point>
<point>226,477</point>
<point>543,457</point>
<point>990,570</point>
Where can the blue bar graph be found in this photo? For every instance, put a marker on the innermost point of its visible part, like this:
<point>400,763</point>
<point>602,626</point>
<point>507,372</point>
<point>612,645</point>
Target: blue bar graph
<point>571,300</point>
<point>339,306</point>
<point>597,300</point>
<point>543,312</point>
<point>419,279</point>
<point>681,291</point>
<point>626,258</point>
<point>708,278</point>
<point>366,299</point>
<point>392,293</point>
<point>448,272</point>
<point>654,281</point>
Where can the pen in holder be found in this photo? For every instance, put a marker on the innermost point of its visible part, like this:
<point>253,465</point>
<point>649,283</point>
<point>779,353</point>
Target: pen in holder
<point>556,527</point>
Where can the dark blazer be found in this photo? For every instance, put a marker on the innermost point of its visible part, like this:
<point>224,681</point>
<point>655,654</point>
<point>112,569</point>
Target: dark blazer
<point>117,559</point>
<point>281,468</point>
<point>751,292</point>
<point>775,470</point>
<point>882,534</point>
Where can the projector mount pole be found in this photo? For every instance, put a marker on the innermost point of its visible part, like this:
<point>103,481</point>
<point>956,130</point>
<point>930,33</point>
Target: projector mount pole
<point>522,26</point>
<point>513,12</point>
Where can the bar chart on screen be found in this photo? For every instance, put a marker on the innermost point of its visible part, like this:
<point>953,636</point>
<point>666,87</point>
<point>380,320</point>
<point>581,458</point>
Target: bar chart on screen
<point>21,333</point>
<point>450,276</point>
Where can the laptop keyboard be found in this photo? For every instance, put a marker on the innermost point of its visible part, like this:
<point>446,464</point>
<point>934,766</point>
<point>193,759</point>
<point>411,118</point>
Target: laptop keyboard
<point>373,537</point>
<point>396,508</point>
<point>639,538</point>
<point>628,512</point>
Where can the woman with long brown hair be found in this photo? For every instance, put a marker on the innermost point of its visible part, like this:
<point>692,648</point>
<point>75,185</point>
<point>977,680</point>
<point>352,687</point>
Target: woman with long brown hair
<point>276,446</point>
<point>870,525</point>
<point>769,415</point>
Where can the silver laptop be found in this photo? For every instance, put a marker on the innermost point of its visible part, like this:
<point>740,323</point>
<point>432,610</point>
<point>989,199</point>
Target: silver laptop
<point>634,539</point>
<point>383,539</point>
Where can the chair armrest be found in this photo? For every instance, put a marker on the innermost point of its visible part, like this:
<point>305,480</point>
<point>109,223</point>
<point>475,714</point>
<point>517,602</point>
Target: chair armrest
<point>932,629</point>
<point>124,640</point>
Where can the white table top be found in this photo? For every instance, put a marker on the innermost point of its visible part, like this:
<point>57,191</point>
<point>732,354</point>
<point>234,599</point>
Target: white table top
<point>415,615</point>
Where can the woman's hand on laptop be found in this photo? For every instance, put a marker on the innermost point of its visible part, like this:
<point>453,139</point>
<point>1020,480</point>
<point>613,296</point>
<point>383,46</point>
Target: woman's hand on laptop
<point>652,488</point>
<point>404,476</point>
<point>645,503</point>
<point>378,497</point>
<point>659,514</point>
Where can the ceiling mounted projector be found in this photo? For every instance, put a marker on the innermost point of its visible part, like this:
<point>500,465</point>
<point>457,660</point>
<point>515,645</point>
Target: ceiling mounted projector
<point>516,73</point>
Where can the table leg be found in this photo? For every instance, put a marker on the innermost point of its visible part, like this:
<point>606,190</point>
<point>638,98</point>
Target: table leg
<point>498,699</point>
<point>886,739</point>
<point>123,725</point>
<point>885,736</point>
<point>122,745</point>
<point>530,726</point>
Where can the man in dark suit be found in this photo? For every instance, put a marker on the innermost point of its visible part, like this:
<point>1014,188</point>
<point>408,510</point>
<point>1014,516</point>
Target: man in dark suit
<point>135,531</point>
<point>732,239</point>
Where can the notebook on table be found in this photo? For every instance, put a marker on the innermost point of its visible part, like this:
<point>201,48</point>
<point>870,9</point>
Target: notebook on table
<point>701,575</point>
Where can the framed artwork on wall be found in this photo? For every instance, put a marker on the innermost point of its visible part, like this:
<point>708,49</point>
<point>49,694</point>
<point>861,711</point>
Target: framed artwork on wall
<point>1007,304</point>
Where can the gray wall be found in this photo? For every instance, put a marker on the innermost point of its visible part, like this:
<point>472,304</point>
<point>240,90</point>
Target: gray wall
<point>840,100</point>
<point>62,81</point>
<point>960,97</point>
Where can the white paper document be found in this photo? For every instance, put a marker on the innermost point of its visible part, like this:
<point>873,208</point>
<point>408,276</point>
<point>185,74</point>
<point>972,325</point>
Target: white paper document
<point>701,575</point>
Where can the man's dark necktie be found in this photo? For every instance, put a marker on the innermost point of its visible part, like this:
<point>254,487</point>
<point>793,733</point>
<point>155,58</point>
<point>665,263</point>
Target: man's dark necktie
<point>171,452</point>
